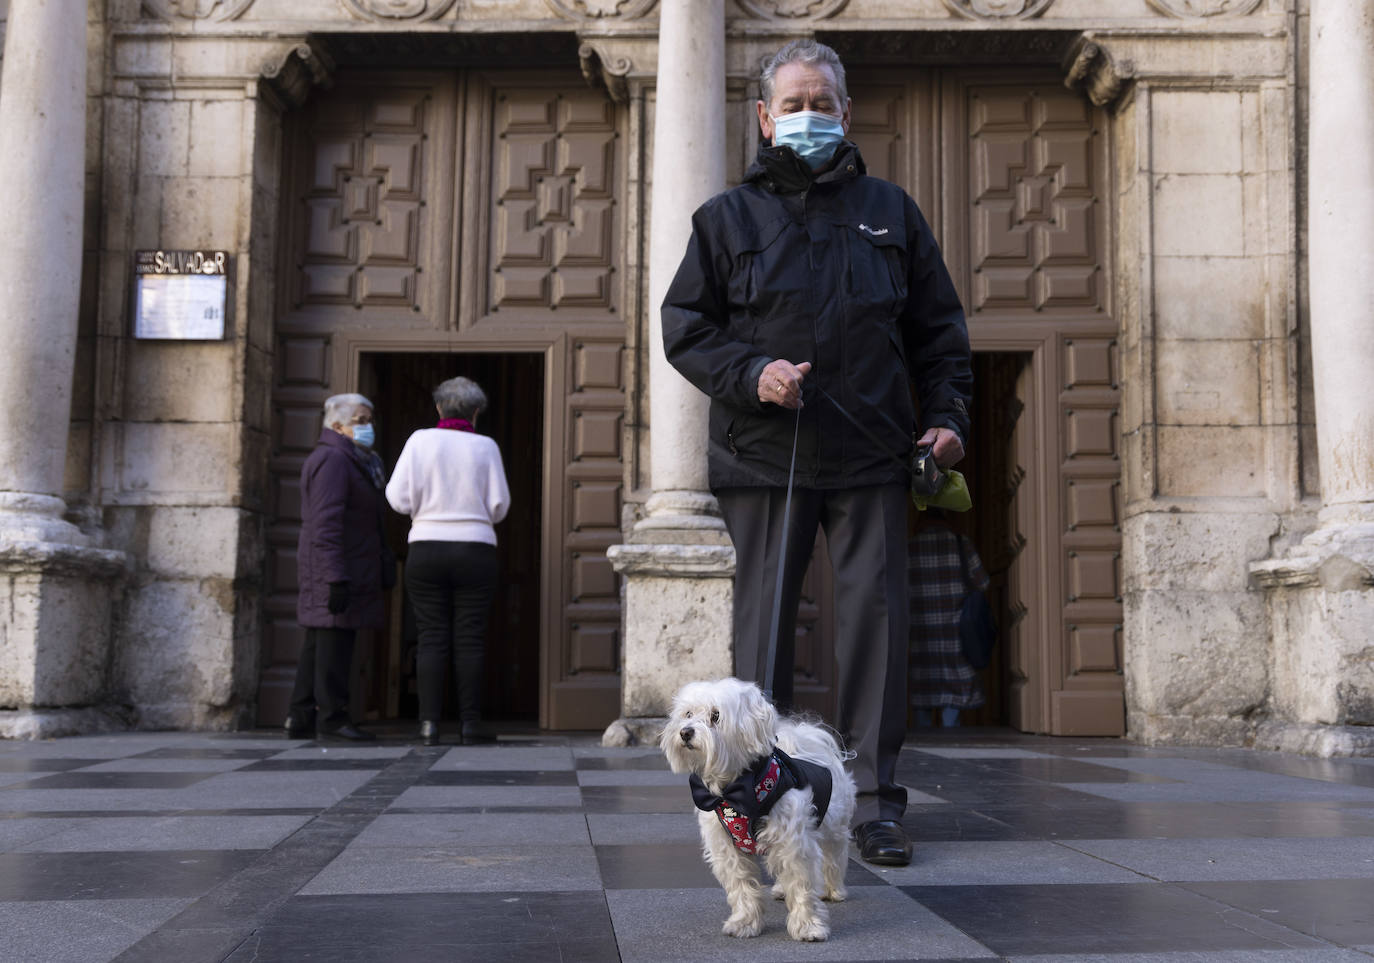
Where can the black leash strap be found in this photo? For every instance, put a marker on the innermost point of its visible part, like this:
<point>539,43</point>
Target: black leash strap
<point>865,429</point>
<point>770,665</point>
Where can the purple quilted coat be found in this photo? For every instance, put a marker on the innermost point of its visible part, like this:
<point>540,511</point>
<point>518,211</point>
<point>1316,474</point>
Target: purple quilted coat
<point>341,537</point>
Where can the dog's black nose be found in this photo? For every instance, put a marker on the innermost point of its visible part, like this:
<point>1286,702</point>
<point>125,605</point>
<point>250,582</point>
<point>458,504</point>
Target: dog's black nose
<point>686,733</point>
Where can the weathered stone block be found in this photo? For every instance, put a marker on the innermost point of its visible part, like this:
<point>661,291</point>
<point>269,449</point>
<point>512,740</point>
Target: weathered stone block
<point>164,135</point>
<point>1197,655</point>
<point>1186,551</point>
<point>1207,382</point>
<point>1197,132</point>
<point>216,130</point>
<point>160,457</point>
<point>193,542</point>
<point>176,651</point>
<point>200,213</point>
<point>1209,297</point>
<point>180,381</point>
<point>1201,461</point>
<point>1197,215</point>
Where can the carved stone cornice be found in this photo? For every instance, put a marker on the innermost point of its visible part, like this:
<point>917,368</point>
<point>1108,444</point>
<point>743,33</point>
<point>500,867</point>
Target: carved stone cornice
<point>197,9</point>
<point>614,62</point>
<point>1090,67</point>
<point>595,10</point>
<point>998,9</point>
<point>296,73</point>
<point>1197,9</point>
<point>385,11</point>
<point>787,10</point>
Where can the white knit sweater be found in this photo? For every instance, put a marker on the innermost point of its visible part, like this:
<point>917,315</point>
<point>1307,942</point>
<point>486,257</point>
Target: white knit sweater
<point>452,485</point>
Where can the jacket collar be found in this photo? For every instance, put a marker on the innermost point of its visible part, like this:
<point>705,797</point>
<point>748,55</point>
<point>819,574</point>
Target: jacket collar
<point>780,170</point>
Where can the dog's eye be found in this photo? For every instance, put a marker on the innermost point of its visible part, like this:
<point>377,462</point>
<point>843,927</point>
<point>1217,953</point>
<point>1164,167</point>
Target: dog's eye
<point>715,716</point>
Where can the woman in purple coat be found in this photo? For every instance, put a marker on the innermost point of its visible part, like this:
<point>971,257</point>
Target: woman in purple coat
<point>340,563</point>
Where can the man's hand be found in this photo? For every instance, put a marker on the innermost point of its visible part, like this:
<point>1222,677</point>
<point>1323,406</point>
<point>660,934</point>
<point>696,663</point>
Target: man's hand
<point>944,445</point>
<point>780,384</point>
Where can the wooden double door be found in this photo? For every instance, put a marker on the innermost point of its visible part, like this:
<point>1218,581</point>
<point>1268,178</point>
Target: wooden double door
<point>463,222</point>
<point>1012,171</point>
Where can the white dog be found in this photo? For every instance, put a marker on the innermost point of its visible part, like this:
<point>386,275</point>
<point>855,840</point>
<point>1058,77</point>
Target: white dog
<point>757,799</point>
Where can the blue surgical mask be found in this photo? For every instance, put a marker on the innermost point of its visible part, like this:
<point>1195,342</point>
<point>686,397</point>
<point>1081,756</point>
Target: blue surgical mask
<point>813,135</point>
<point>364,435</point>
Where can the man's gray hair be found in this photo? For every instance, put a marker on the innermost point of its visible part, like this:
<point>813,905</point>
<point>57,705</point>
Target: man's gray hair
<point>338,409</point>
<point>459,398</point>
<point>803,52</point>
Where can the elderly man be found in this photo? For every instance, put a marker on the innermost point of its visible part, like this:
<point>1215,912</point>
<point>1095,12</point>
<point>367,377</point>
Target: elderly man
<point>809,299</point>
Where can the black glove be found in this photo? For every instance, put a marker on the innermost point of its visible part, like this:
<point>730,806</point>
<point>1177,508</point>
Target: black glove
<point>338,597</point>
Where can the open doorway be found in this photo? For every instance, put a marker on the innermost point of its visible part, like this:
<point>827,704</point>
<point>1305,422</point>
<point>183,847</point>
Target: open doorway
<point>990,468</point>
<point>400,385</point>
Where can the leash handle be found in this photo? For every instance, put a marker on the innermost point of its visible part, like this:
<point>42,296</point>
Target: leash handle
<point>770,666</point>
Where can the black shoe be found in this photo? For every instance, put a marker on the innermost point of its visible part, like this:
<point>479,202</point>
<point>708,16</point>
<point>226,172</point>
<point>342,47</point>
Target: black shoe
<point>298,728</point>
<point>476,734</point>
<point>347,731</point>
<point>429,733</point>
<point>883,841</point>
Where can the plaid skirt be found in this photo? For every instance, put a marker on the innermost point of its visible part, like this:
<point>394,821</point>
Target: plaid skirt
<point>938,673</point>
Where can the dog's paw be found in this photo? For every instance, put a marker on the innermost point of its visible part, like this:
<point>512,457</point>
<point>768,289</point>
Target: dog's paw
<point>809,930</point>
<point>743,928</point>
<point>837,895</point>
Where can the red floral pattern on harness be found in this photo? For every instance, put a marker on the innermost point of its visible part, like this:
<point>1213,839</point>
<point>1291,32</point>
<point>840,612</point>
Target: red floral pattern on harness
<point>736,823</point>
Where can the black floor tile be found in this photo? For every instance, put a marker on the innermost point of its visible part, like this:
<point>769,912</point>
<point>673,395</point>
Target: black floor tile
<point>1338,910</point>
<point>1101,919</point>
<point>946,824</point>
<point>1059,770</point>
<point>631,763</point>
<point>177,874</point>
<point>477,777</point>
<point>15,764</point>
<point>497,927</point>
<point>1108,819</point>
<point>208,752</point>
<point>637,799</point>
<point>333,763</point>
<point>114,780</point>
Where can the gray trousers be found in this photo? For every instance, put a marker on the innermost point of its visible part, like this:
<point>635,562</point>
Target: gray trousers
<point>865,531</point>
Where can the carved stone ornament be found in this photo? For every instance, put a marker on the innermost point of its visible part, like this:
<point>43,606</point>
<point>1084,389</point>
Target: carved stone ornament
<point>602,67</point>
<point>601,9</point>
<point>1184,9</point>
<point>384,10</point>
<point>197,9</point>
<point>1091,68</point>
<point>998,9</point>
<point>792,9</point>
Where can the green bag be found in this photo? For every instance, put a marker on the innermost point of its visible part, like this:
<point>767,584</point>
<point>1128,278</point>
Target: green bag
<point>952,496</point>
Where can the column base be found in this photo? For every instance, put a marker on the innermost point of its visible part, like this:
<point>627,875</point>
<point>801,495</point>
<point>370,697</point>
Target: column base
<point>56,723</point>
<point>1321,605</point>
<point>678,626</point>
<point>56,602</point>
<point>1326,742</point>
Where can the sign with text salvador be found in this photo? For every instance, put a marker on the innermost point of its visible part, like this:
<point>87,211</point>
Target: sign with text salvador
<point>181,295</point>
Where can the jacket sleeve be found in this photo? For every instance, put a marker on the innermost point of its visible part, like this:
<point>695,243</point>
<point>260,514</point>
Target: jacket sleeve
<point>398,492</point>
<point>498,492</point>
<point>326,501</point>
<point>935,334</point>
<point>696,315</point>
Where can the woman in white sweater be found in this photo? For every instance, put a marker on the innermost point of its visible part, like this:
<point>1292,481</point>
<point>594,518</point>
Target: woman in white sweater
<point>451,483</point>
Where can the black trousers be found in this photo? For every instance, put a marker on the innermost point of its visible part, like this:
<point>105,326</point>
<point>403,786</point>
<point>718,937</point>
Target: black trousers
<point>450,586</point>
<point>865,531</point>
<point>322,677</point>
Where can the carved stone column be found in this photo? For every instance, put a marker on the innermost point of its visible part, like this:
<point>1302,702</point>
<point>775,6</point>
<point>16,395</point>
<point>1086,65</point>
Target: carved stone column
<point>1322,595</point>
<point>54,584</point>
<point>679,560</point>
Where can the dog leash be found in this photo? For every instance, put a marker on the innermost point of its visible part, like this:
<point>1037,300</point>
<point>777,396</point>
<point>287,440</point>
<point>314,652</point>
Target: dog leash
<point>770,665</point>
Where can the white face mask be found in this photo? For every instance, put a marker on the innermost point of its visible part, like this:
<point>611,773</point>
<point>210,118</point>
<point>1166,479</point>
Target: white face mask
<point>811,134</point>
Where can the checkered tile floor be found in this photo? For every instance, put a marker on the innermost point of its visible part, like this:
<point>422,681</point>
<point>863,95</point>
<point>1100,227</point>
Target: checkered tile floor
<point>186,847</point>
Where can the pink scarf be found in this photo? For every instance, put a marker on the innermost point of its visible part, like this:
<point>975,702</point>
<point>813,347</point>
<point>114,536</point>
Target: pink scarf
<point>456,424</point>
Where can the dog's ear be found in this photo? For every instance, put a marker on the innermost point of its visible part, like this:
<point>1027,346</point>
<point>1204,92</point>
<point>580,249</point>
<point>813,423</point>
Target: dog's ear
<point>760,720</point>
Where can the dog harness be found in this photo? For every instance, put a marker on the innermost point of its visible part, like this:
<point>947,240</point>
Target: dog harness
<point>743,805</point>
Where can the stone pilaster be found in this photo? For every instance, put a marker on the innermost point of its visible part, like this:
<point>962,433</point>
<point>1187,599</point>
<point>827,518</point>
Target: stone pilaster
<point>679,560</point>
<point>56,586</point>
<point>1321,595</point>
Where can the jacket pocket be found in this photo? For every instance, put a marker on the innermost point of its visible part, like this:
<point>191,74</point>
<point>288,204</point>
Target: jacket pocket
<point>877,267</point>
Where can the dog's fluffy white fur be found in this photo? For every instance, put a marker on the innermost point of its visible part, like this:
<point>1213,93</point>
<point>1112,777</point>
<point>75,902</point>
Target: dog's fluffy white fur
<point>715,730</point>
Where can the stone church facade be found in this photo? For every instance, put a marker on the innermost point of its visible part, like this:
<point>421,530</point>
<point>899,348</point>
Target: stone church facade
<point>1156,212</point>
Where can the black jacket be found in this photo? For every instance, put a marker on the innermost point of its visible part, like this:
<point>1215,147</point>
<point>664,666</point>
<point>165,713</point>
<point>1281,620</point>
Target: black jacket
<point>836,268</point>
